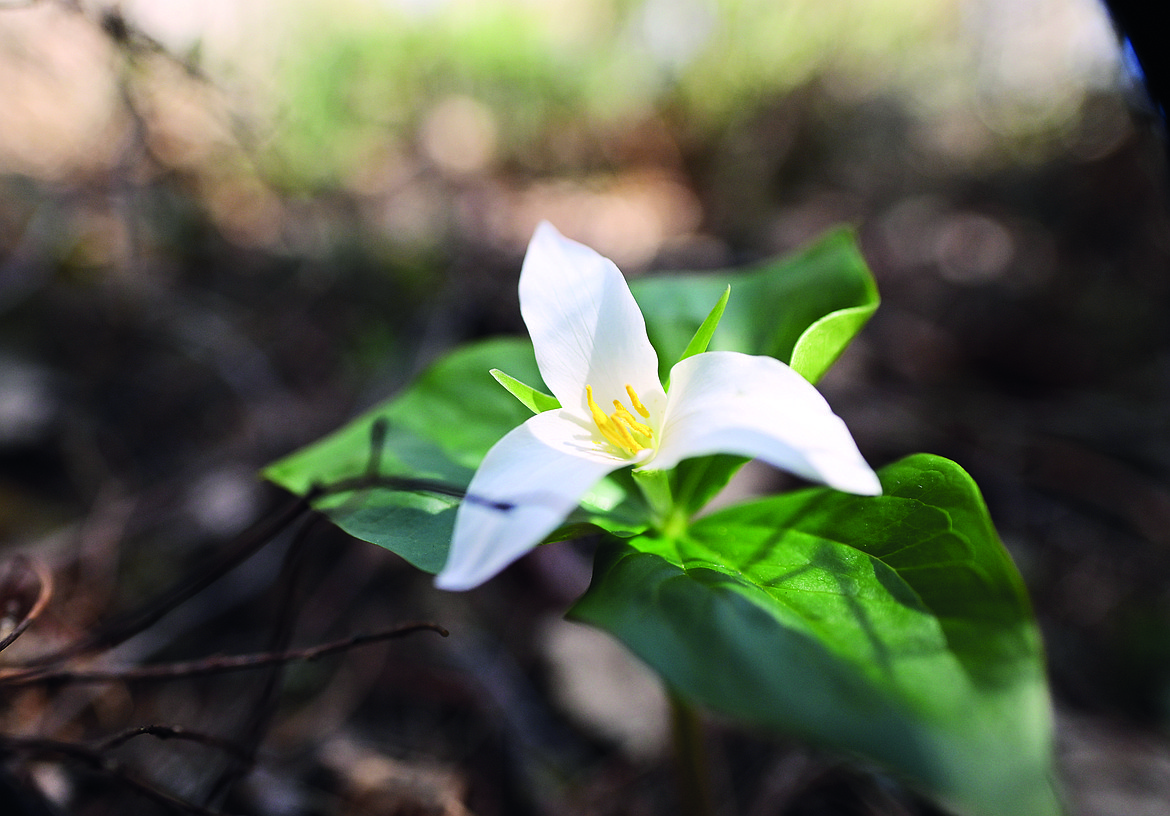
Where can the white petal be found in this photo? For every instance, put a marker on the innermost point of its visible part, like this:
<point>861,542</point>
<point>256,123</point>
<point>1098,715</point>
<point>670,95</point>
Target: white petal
<point>727,402</point>
<point>585,325</point>
<point>537,474</point>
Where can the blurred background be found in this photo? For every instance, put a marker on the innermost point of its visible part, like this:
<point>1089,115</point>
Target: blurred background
<point>226,227</point>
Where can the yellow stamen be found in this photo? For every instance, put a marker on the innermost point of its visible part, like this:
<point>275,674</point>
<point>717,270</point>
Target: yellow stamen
<point>619,427</point>
<point>628,441</point>
<point>623,413</point>
<point>595,409</point>
<point>611,435</point>
<point>637,403</point>
<point>603,423</point>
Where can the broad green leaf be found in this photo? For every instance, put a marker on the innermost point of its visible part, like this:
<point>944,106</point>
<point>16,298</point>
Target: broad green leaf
<point>813,303</point>
<point>534,400</point>
<point>439,428</point>
<point>695,482</point>
<point>459,406</point>
<point>893,627</point>
<point>414,523</point>
<point>455,406</point>
<point>416,526</point>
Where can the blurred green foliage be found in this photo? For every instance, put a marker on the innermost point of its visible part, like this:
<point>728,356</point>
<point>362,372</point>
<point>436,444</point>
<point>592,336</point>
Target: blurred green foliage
<point>356,76</point>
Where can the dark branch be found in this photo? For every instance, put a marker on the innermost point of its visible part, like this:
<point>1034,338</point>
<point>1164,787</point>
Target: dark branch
<point>120,628</point>
<point>252,731</point>
<point>14,583</point>
<point>95,760</point>
<point>165,732</point>
<point>215,665</point>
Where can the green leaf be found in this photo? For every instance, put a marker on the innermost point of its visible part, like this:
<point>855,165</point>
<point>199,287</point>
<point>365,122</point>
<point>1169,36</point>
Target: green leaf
<point>803,309</point>
<point>893,627</point>
<point>415,524</point>
<point>439,428</point>
<point>458,405</point>
<point>534,400</point>
<point>819,346</point>
<point>706,330</point>
<point>455,407</point>
<point>694,482</point>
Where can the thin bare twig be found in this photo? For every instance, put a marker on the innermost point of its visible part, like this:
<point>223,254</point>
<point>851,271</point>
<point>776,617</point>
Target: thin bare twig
<point>408,485</point>
<point>97,761</point>
<point>219,664</point>
<point>120,628</point>
<point>165,732</point>
<point>262,712</point>
<point>116,630</point>
<point>44,590</point>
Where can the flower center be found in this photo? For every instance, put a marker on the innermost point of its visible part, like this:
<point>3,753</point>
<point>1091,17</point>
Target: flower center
<point>621,428</point>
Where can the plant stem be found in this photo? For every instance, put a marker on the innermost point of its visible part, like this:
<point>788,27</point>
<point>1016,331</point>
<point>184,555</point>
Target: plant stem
<point>669,517</point>
<point>655,487</point>
<point>690,759</point>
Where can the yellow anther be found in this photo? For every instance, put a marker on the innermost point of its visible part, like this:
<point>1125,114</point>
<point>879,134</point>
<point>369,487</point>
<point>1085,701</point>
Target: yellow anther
<point>598,416</point>
<point>604,424</point>
<point>623,413</point>
<point>609,429</point>
<point>628,442</point>
<point>619,427</point>
<point>637,403</point>
<point>611,435</point>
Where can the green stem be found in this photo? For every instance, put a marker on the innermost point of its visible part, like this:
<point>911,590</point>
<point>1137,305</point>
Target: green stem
<point>690,759</point>
<point>655,487</point>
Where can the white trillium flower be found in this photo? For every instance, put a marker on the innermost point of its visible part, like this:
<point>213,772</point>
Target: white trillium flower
<point>593,354</point>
